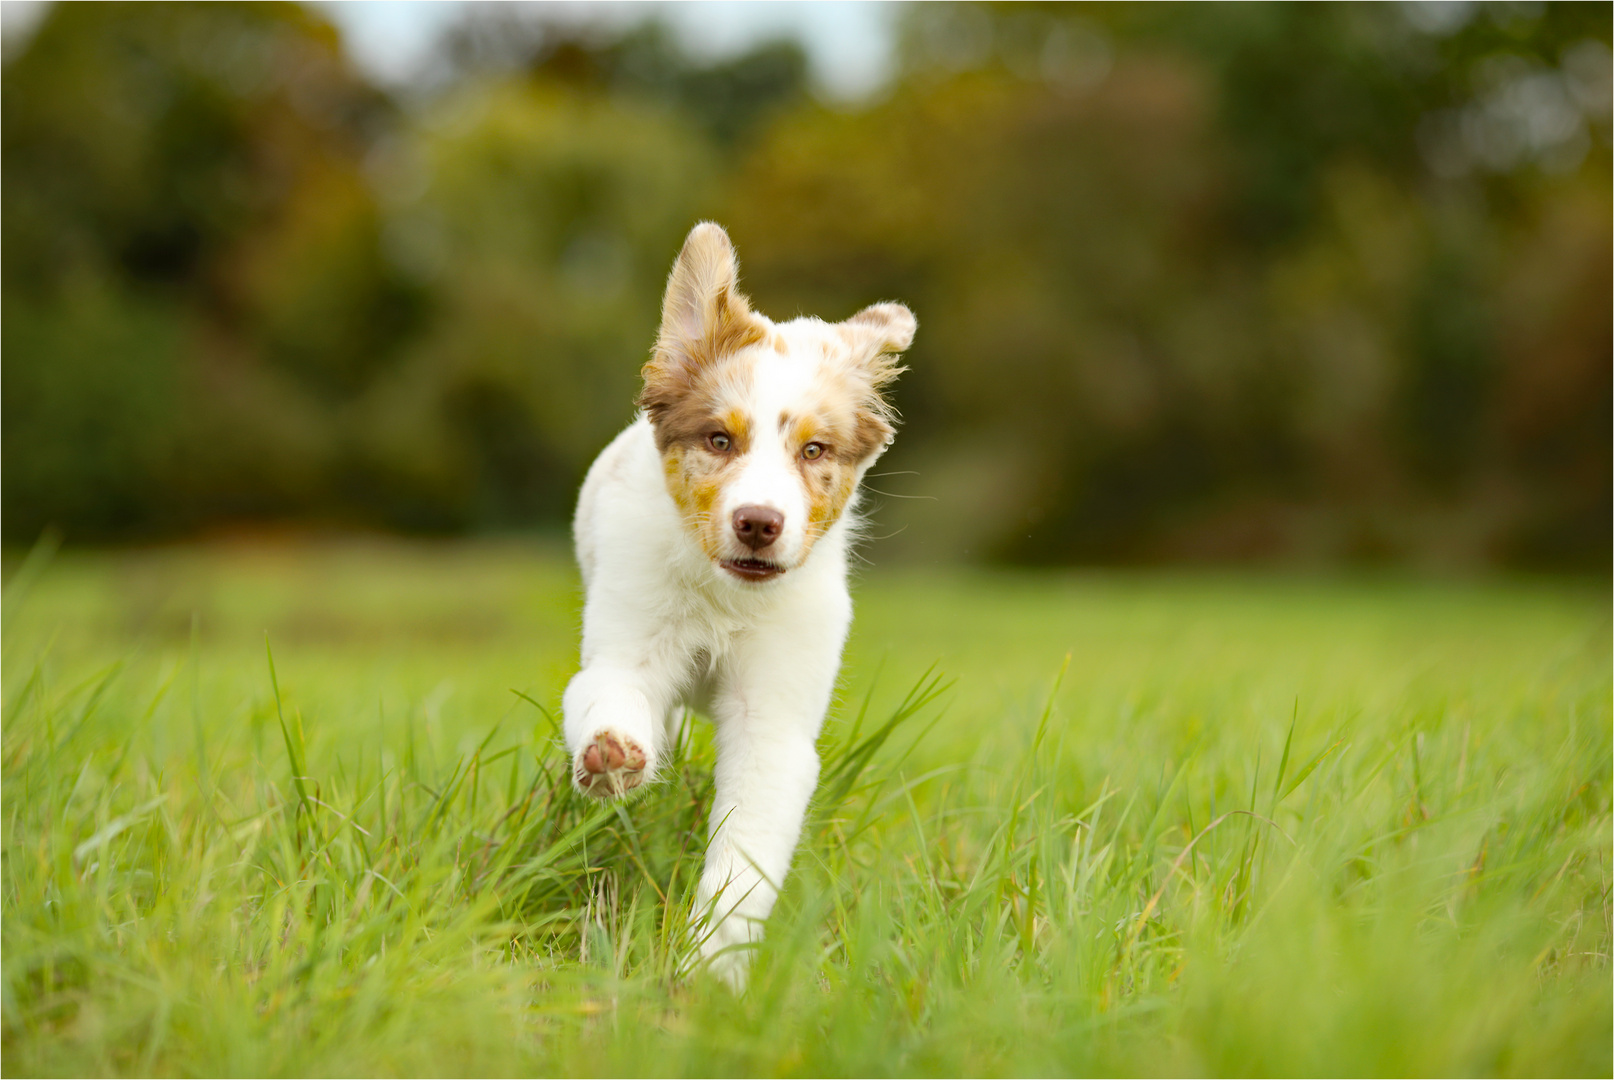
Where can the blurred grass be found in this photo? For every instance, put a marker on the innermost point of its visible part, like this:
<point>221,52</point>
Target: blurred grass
<point>1263,826</point>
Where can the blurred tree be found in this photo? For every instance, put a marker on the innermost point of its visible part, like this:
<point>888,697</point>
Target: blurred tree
<point>541,221</point>
<point>729,99</point>
<point>1213,282</point>
<point>94,418</point>
<point>184,228</point>
<point>427,323</point>
<point>1255,281</point>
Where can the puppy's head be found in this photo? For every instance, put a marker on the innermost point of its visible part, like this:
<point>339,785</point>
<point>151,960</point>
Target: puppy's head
<point>764,429</point>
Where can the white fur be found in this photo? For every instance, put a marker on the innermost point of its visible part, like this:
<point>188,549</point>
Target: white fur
<point>665,626</point>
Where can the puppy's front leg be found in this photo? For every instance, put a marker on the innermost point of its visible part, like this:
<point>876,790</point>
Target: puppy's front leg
<point>613,714</point>
<point>767,719</point>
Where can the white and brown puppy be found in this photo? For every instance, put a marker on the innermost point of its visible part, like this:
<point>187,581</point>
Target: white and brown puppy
<point>713,536</point>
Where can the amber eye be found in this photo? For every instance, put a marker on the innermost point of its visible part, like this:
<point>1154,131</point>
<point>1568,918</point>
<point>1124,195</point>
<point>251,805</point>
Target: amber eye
<point>719,441</point>
<point>812,451</point>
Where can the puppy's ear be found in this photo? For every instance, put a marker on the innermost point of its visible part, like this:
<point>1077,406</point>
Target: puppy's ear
<point>881,333</point>
<point>889,327</point>
<point>878,335</point>
<point>704,317</point>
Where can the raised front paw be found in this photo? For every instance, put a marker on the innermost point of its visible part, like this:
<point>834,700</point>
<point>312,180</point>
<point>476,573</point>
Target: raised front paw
<point>608,765</point>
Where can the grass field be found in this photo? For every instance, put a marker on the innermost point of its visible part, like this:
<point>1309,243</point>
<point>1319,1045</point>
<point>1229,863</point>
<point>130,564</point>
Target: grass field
<point>1257,826</point>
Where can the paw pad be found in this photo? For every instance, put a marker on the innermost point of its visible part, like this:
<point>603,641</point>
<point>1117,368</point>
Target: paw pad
<point>609,764</point>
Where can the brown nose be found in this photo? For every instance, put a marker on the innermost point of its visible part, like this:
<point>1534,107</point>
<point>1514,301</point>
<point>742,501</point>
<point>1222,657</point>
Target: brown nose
<point>757,526</point>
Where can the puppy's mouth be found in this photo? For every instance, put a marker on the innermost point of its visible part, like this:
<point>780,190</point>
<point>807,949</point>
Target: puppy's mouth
<point>752,569</point>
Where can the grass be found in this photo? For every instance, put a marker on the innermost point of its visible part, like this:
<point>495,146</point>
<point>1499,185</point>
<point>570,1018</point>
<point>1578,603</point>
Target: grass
<point>301,810</point>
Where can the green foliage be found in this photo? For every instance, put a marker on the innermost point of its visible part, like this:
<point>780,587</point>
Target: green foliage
<point>97,409</point>
<point>539,222</point>
<point>1266,282</point>
<point>186,229</point>
<point>149,140</point>
<point>1210,282</point>
<point>728,99</point>
<point>1251,827</point>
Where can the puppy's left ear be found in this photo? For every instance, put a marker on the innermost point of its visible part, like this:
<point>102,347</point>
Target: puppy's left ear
<point>879,335</point>
<point>882,333</point>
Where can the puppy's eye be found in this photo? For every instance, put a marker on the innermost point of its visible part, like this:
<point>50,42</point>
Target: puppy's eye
<point>719,442</point>
<point>812,451</point>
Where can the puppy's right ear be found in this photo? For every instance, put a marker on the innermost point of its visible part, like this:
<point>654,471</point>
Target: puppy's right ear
<point>704,317</point>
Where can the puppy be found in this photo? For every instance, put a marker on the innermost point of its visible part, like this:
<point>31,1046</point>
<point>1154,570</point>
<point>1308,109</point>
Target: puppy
<point>713,536</point>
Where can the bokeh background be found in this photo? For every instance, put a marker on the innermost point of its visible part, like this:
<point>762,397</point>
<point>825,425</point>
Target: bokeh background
<point>1313,285</point>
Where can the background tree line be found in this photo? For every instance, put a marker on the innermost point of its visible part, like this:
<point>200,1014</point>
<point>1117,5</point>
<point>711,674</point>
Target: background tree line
<point>1271,282</point>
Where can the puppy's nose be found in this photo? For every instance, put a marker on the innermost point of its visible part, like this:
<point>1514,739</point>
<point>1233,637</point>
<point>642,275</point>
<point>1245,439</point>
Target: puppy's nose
<point>757,526</point>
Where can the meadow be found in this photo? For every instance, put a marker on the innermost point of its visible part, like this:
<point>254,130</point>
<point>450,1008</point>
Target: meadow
<point>300,808</point>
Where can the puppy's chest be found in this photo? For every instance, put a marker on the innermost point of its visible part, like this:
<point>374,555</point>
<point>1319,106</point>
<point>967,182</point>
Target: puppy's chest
<point>705,630</point>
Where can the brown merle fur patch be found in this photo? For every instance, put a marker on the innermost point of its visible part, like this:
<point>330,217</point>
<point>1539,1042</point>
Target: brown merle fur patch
<point>694,473</point>
<point>831,479</point>
<point>703,401</point>
<point>705,321</point>
<point>695,479</point>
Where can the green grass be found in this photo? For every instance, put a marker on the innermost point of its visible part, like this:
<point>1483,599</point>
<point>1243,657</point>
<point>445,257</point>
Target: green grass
<point>1259,826</point>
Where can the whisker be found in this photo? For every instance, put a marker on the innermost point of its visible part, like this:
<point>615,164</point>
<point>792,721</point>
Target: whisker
<point>894,495</point>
